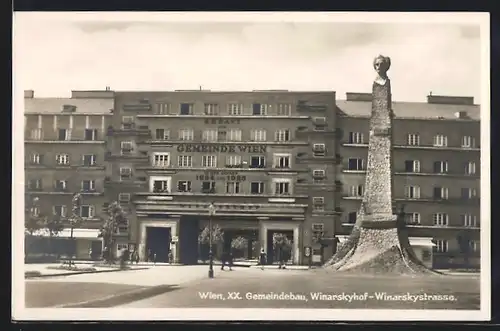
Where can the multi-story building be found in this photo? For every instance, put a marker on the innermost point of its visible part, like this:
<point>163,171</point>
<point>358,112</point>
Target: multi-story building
<point>436,161</point>
<point>65,146</point>
<point>264,159</point>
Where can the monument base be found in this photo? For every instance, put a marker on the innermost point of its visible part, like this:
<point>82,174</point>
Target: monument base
<point>377,251</point>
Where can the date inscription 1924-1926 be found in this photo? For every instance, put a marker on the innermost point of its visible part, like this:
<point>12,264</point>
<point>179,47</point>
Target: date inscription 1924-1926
<point>232,178</point>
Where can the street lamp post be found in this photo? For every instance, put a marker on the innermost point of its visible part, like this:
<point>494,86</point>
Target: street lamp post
<point>76,201</point>
<point>211,212</point>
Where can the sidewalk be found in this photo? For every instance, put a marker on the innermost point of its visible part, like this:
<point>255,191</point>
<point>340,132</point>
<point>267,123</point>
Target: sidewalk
<point>44,271</point>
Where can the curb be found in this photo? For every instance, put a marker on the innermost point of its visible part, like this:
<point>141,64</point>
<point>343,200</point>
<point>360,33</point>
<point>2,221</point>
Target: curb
<point>81,273</point>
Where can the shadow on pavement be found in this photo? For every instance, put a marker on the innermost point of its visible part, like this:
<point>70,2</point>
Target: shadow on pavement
<point>124,298</point>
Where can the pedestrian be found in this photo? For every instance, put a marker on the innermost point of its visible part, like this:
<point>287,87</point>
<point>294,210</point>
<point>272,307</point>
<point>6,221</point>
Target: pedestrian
<point>230,258</point>
<point>90,253</point>
<point>150,256</point>
<point>170,257</point>
<point>136,257</point>
<point>262,258</point>
<point>223,260</point>
<point>154,258</point>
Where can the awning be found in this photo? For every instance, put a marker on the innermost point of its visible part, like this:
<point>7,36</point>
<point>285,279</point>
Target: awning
<point>414,241</point>
<point>77,233</point>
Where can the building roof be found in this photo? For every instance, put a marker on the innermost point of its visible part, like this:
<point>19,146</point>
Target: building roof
<point>55,105</point>
<point>412,110</point>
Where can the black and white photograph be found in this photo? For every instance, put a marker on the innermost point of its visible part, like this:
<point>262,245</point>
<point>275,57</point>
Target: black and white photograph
<point>251,166</point>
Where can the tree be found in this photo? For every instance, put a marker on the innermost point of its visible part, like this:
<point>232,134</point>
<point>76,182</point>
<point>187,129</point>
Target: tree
<point>217,235</point>
<point>115,217</point>
<point>239,245</point>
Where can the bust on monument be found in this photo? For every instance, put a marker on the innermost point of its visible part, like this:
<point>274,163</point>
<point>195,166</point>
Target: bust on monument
<point>381,64</point>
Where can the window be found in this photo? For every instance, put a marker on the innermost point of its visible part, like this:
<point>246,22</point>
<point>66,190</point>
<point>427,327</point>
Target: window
<point>351,217</point>
<point>233,161</point>
<point>161,160</point>
<point>318,230</point>
<point>412,192</point>
<point>211,109</point>
<point>186,109</point>
<point>260,109</point>
<point>440,140</point>
<point>356,191</point>
<point>62,159</point>
<point>184,186</point>
<point>222,135</point>
<point>258,161</point>
<point>162,108</point>
<point>468,193</point>
<point>474,245</point>
<point>124,197</point>
<point>469,220</point>
<point>208,187</point>
<point>36,134</point>
<point>64,134</point>
<point>126,147</point>
<point>470,168</point>
<point>413,139</point>
<point>91,134</point>
<point>356,138</point>
<point>127,122</point>
<point>185,161</point>
<point>440,167</point>
<point>319,149</point>
<point>61,185</point>
<point>87,211</point>
<point>35,211</point>
<point>88,185</point>
<point>235,135</point>
<point>186,134</point>
<point>318,203</point>
<point>257,187</point>
<point>440,193</point>
<point>235,109</point>
<point>161,186</point>
<point>35,184</point>
<point>233,187</point>
<point>209,135</point>
<point>125,173</point>
<point>468,142</point>
<point>440,219</point>
<point>284,109</point>
<point>356,164</point>
<point>209,161</point>
<point>412,218</point>
<point>319,173</point>
<point>282,161</point>
<point>258,135</point>
<point>282,135</point>
<point>36,158</point>
<point>162,134</point>
<point>282,187</point>
<point>441,246</point>
<point>412,166</point>
<point>88,160</point>
<point>59,211</point>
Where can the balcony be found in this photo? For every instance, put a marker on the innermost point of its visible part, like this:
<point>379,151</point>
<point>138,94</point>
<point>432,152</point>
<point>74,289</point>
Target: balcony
<point>130,130</point>
<point>418,147</point>
<point>304,106</point>
<point>142,106</point>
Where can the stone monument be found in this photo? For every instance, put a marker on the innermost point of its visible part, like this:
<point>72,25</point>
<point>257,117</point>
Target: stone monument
<point>379,241</point>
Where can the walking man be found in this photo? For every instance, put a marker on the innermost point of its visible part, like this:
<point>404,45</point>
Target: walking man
<point>262,258</point>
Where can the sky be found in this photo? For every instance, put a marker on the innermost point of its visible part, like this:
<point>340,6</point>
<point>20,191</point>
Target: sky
<point>54,57</point>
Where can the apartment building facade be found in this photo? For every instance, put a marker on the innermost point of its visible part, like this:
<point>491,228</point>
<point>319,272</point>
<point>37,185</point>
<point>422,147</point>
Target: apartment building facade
<point>264,159</point>
<point>436,171</point>
<point>65,147</point>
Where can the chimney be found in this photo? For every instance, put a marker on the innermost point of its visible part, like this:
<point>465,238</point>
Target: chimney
<point>461,115</point>
<point>108,88</point>
<point>356,96</point>
<point>450,100</point>
<point>29,94</point>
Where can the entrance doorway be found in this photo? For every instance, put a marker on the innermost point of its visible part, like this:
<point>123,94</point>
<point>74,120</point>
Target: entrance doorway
<point>245,248</point>
<point>272,251</point>
<point>158,241</point>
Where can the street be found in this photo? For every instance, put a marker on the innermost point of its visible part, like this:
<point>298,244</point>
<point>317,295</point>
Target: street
<point>189,287</point>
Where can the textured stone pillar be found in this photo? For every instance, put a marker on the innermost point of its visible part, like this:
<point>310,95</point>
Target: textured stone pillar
<point>379,242</point>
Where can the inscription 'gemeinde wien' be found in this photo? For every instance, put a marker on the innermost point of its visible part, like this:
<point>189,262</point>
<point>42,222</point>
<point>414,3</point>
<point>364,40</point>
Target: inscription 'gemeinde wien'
<point>206,148</point>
